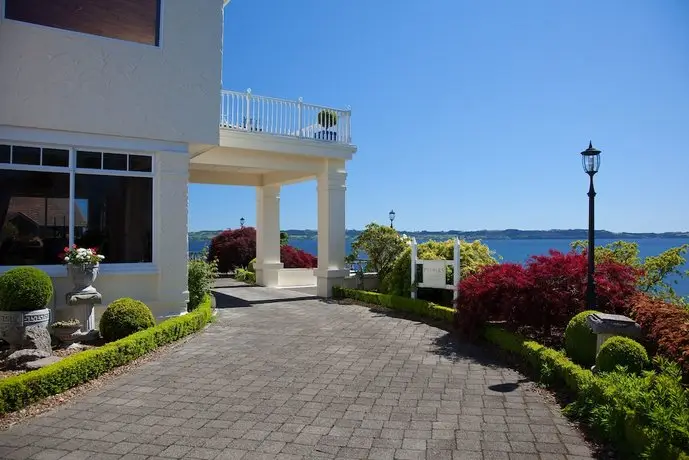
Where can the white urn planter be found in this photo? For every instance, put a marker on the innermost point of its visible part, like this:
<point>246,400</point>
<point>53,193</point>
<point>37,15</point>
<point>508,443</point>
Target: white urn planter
<point>83,277</point>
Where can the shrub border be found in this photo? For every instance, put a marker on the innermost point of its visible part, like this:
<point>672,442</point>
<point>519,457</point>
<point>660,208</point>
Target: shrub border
<point>404,304</point>
<point>560,368</point>
<point>19,391</point>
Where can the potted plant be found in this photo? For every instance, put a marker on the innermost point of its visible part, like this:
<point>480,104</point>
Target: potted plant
<point>327,118</point>
<point>82,266</point>
<point>64,330</point>
<point>24,294</point>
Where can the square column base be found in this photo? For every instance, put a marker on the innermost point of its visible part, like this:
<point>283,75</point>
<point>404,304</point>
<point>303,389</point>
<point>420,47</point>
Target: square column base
<point>268,275</point>
<point>327,279</point>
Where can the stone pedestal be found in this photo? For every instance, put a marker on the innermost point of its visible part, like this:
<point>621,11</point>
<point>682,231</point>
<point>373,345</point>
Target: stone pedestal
<point>605,325</point>
<point>81,305</point>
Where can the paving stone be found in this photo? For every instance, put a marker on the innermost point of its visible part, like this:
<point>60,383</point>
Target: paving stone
<point>305,379</point>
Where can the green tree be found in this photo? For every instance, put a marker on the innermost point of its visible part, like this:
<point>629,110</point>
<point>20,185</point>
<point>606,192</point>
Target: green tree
<point>382,245</point>
<point>284,238</point>
<point>656,269</point>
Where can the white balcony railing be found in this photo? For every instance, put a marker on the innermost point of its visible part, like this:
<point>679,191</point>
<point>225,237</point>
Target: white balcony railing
<point>244,111</point>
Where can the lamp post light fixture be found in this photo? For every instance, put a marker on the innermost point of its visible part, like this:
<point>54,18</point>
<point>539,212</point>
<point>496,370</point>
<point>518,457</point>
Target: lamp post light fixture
<point>241,222</point>
<point>590,160</point>
<point>391,216</point>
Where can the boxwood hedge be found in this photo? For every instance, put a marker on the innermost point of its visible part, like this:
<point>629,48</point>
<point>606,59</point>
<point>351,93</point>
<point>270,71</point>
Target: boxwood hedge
<point>19,391</point>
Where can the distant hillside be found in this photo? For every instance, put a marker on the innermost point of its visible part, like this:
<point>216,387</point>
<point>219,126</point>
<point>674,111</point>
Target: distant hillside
<point>509,234</point>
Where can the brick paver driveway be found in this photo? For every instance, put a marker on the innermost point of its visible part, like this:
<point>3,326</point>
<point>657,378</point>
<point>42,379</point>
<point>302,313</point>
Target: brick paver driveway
<point>276,377</point>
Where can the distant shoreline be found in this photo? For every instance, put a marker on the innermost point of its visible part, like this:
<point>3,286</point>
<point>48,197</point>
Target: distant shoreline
<point>510,234</point>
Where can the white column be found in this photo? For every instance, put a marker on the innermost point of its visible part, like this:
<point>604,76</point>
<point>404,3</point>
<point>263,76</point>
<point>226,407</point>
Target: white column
<point>331,227</point>
<point>268,235</point>
<point>170,204</point>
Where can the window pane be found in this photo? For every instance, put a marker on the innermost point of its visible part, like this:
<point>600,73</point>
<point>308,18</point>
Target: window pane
<point>26,155</point>
<point>4,153</point>
<point>115,214</point>
<point>140,163</point>
<point>89,160</point>
<point>55,157</point>
<point>133,20</point>
<point>34,214</point>
<point>115,161</point>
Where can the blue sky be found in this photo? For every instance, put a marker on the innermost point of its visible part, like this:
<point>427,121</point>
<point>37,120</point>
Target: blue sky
<point>471,115</point>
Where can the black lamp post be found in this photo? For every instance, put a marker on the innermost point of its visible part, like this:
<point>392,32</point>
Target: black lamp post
<point>241,222</point>
<point>391,216</point>
<point>590,160</point>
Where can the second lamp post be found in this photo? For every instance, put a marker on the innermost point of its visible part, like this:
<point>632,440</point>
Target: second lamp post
<point>590,160</point>
<point>391,216</point>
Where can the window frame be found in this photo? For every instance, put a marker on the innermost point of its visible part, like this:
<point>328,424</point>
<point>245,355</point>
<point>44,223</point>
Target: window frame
<point>158,32</point>
<point>57,270</point>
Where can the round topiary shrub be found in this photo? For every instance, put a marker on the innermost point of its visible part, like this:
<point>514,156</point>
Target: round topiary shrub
<point>580,341</point>
<point>621,351</point>
<point>124,317</point>
<point>25,289</point>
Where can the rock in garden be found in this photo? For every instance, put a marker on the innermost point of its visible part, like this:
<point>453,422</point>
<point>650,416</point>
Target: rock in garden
<point>36,337</point>
<point>85,337</point>
<point>39,363</point>
<point>19,358</point>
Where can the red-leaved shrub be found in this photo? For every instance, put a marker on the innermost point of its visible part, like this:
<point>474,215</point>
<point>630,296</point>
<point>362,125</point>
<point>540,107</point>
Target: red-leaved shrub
<point>546,293</point>
<point>665,326</point>
<point>292,257</point>
<point>233,248</point>
<point>236,248</point>
<point>496,292</point>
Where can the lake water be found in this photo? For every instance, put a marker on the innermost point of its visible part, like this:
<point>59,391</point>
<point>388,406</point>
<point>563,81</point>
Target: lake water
<point>520,250</point>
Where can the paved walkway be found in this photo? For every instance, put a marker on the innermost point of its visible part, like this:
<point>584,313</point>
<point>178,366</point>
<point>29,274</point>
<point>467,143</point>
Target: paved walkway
<point>283,375</point>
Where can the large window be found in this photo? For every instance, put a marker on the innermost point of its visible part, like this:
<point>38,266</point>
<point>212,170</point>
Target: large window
<point>111,206</point>
<point>132,20</point>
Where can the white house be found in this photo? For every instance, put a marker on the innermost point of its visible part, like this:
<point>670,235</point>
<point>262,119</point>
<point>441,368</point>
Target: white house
<point>110,108</point>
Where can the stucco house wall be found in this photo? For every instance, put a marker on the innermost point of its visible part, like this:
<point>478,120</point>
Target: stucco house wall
<point>70,90</point>
<point>64,80</point>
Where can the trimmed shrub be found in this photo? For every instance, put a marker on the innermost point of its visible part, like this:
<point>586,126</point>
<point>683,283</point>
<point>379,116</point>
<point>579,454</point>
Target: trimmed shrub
<point>622,351</point>
<point>19,391</point>
<point>415,307</point>
<point>473,256</point>
<point>24,289</point>
<point>200,277</point>
<point>124,317</point>
<point>580,341</point>
<point>665,326</point>
<point>292,257</point>
<point>233,248</point>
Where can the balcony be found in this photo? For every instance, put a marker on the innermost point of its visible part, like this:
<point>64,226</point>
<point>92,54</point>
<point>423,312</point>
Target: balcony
<point>246,112</point>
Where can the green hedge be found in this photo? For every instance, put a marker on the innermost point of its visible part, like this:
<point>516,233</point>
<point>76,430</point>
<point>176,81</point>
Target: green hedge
<point>393,302</point>
<point>19,391</point>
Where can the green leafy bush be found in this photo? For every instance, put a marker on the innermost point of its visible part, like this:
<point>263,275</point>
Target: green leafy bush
<point>416,307</point>
<point>24,289</point>
<point>200,277</point>
<point>622,351</point>
<point>245,276</point>
<point>124,317</point>
<point>473,256</point>
<point>252,265</point>
<point>382,245</point>
<point>580,341</point>
<point>644,416</point>
<point>19,391</point>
